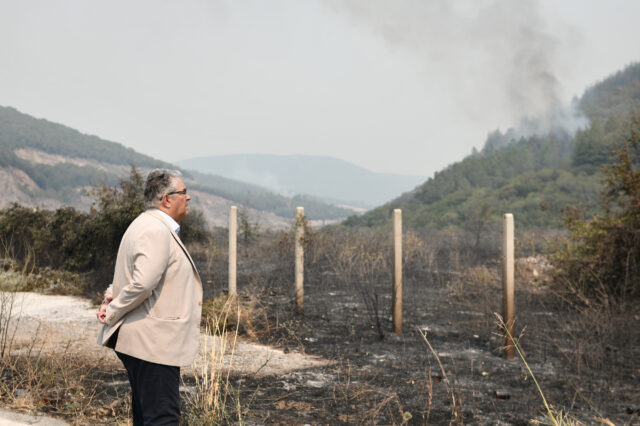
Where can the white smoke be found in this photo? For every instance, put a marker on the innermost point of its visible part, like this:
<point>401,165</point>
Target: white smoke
<point>262,178</point>
<point>497,53</point>
<point>560,121</point>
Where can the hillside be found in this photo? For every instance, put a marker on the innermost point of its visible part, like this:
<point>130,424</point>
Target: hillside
<point>533,176</point>
<point>47,164</point>
<point>328,178</point>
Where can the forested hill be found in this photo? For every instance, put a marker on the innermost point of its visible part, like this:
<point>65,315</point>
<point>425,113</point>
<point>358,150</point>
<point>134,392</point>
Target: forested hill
<point>20,131</point>
<point>533,177</point>
<point>48,164</point>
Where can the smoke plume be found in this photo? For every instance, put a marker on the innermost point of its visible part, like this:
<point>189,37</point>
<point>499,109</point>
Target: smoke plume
<point>497,59</point>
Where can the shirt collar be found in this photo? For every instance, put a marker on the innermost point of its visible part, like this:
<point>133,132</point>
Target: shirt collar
<point>172,223</point>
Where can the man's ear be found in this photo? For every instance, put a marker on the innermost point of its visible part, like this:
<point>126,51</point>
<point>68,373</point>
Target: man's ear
<point>166,203</point>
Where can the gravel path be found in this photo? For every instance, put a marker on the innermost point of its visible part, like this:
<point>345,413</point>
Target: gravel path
<point>68,322</point>
<point>54,309</point>
<point>10,418</point>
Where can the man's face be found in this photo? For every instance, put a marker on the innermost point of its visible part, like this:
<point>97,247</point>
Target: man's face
<point>178,202</point>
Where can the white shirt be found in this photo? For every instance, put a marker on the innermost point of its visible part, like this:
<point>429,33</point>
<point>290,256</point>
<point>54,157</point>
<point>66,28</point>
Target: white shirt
<point>174,225</point>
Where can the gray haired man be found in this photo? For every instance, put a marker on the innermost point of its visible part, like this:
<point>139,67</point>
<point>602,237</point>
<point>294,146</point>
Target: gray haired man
<point>151,312</point>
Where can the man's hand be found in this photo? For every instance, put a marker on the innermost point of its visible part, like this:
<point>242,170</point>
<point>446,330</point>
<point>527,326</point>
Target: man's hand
<point>102,313</point>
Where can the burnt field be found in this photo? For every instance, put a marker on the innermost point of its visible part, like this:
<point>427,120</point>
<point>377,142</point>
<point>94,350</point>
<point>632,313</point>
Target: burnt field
<point>447,365</point>
<point>338,362</point>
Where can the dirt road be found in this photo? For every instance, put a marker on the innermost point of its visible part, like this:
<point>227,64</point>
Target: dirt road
<point>68,323</point>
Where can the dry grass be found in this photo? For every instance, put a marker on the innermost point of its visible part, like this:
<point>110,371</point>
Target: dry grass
<point>456,407</point>
<point>586,338</point>
<point>241,313</point>
<point>215,400</point>
<point>58,382</point>
<point>39,375</point>
<point>361,402</point>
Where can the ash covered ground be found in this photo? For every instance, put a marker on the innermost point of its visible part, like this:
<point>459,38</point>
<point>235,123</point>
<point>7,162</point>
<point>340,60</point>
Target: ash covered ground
<point>377,377</point>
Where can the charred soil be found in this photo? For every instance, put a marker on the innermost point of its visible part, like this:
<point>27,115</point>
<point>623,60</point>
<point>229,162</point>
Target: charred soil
<point>587,370</point>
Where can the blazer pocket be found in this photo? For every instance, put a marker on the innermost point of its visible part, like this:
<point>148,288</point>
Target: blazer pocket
<point>167,318</point>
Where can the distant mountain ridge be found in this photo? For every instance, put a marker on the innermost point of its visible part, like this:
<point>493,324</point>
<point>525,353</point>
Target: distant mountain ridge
<point>328,178</point>
<point>48,164</point>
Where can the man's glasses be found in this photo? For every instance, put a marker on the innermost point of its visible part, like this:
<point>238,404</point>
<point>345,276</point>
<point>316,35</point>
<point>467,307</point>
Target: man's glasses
<point>183,192</point>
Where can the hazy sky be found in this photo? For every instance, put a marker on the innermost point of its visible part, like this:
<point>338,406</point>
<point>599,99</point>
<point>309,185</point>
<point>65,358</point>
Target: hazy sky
<point>394,86</point>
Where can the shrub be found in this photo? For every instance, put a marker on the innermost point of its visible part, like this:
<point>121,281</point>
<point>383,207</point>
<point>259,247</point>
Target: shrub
<point>20,228</point>
<point>83,242</point>
<point>224,313</point>
<point>602,255</point>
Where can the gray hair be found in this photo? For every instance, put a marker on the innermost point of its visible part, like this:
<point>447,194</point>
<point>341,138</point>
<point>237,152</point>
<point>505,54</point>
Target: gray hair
<point>159,182</point>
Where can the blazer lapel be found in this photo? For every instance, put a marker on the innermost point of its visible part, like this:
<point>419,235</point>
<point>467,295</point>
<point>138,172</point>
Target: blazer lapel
<point>175,237</point>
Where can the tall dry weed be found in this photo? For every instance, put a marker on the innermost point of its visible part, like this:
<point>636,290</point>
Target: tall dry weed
<point>361,263</point>
<point>215,400</point>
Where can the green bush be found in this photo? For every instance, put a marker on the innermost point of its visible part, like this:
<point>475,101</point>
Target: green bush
<point>80,242</point>
<point>602,255</point>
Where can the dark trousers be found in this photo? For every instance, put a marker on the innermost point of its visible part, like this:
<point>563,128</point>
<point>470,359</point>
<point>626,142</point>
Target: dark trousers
<point>155,395</point>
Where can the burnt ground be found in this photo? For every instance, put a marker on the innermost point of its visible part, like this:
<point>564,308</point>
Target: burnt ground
<point>398,379</point>
<point>586,359</point>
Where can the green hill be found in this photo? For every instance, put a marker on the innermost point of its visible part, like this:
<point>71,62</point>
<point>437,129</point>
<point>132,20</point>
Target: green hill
<point>62,162</point>
<point>18,130</point>
<point>533,176</point>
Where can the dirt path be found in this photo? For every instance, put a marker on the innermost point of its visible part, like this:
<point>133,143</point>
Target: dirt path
<point>10,418</point>
<point>67,323</point>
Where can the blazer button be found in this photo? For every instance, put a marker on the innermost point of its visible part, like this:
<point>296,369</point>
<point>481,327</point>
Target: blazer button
<point>200,303</point>
<point>112,317</point>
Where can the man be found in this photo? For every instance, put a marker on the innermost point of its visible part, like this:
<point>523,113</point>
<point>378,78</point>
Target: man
<point>151,311</point>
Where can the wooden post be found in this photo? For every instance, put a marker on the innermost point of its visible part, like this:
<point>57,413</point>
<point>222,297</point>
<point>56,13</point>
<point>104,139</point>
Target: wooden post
<point>299,255</point>
<point>508,287</point>
<point>397,271</point>
<point>233,246</point>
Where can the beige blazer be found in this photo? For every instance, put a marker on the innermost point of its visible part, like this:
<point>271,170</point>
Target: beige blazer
<point>157,295</point>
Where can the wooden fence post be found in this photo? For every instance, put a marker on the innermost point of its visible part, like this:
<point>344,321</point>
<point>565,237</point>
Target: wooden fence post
<point>397,271</point>
<point>233,246</point>
<point>299,256</point>
<point>508,286</point>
